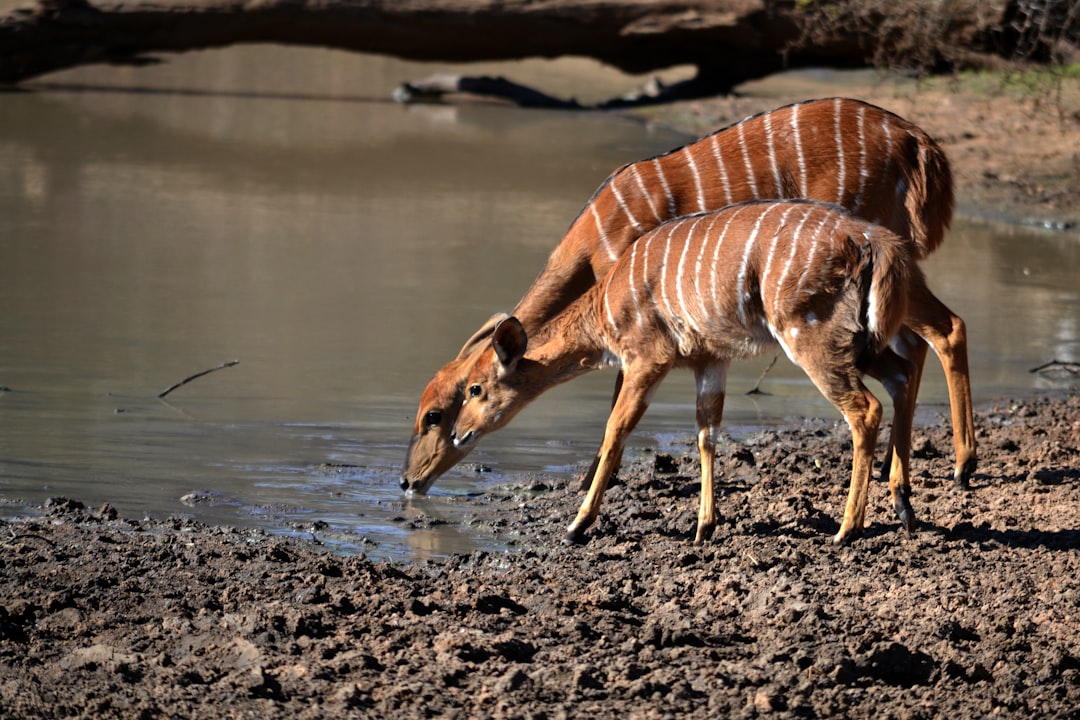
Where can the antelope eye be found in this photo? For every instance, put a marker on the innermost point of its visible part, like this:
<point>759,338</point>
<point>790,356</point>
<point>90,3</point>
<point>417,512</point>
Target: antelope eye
<point>432,418</point>
<point>475,390</point>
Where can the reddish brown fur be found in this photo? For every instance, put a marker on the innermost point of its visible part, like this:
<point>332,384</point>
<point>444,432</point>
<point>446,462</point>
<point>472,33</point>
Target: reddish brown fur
<point>892,173</point>
<point>832,308</point>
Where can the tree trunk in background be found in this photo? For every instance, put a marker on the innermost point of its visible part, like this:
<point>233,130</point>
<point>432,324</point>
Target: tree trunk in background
<point>728,40</point>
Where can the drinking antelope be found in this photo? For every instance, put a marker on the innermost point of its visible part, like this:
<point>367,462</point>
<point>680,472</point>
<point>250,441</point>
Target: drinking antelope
<point>874,163</point>
<point>699,291</point>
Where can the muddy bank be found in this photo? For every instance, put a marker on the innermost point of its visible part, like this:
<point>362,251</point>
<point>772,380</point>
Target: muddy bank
<point>976,614</point>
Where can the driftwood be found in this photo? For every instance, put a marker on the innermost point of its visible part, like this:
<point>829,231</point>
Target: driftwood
<point>728,40</point>
<point>189,378</point>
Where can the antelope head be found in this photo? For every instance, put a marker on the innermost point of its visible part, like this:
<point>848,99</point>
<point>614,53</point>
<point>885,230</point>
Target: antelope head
<point>496,388</point>
<point>432,450</point>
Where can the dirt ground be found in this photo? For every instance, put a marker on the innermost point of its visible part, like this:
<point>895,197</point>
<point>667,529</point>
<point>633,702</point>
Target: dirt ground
<point>977,614</point>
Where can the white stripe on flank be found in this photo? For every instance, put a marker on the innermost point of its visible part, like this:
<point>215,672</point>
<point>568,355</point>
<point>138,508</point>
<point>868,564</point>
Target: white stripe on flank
<point>772,155</point>
<point>645,193</point>
<point>772,250</point>
<point>699,282</point>
<point>740,285</point>
<point>672,210</point>
<point>612,255</point>
<point>645,270</point>
<point>796,238</point>
<point>625,208</point>
<point>799,150</point>
<point>697,179</point>
<point>663,271</point>
<point>633,287</point>
<point>748,163</point>
<point>713,271</point>
<point>680,278</point>
<point>723,170</point>
<point>607,306</point>
<point>819,268</point>
<point>863,172</point>
<point>873,309</point>
<point>839,140</point>
<point>888,144</point>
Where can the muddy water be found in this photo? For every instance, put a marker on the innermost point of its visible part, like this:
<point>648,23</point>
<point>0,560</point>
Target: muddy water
<point>271,207</point>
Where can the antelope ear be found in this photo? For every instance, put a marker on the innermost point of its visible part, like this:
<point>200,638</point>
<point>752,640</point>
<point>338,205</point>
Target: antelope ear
<point>474,343</point>
<point>509,341</point>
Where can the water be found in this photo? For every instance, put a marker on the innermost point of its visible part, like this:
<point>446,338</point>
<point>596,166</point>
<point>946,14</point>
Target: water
<point>269,206</point>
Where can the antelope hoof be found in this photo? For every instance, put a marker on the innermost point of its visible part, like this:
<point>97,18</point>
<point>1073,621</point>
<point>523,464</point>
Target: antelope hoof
<point>904,510</point>
<point>846,535</point>
<point>575,534</point>
<point>704,533</point>
<point>962,476</point>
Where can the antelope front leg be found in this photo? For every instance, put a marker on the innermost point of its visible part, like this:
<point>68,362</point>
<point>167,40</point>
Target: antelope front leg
<point>630,404</point>
<point>587,478</point>
<point>711,381</point>
<point>947,332</point>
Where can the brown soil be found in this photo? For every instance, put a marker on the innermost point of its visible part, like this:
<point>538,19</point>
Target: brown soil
<point>976,614</point>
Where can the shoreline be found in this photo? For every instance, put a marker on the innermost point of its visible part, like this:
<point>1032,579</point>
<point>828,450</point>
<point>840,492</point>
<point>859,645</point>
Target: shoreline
<point>975,614</point>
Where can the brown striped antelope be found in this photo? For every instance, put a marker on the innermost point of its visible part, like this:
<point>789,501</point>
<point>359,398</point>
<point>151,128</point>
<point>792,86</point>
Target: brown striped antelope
<point>874,163</point>
<point>829,289</point>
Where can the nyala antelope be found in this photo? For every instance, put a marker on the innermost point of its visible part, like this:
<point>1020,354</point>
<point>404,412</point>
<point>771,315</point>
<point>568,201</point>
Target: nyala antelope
<point>873,163</point>
<point>829,289</point>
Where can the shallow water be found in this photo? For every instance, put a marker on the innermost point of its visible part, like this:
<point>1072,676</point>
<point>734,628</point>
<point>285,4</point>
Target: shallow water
<point>270,207</point>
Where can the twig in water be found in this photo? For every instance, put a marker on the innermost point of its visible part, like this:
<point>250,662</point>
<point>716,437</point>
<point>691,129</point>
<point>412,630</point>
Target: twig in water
<point>189,378</point>
<point>756,390</point>
<point>1071,367</point>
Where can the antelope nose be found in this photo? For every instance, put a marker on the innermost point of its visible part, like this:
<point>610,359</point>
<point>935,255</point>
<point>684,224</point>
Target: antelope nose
<point>462,440</point>
<point>404,483</point>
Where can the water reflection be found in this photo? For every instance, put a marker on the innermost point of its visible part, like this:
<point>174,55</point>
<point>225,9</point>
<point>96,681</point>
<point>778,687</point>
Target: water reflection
<point>342,249</point>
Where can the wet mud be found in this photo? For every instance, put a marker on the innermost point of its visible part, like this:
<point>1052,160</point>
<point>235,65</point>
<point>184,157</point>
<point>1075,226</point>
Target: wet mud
<point>975,614</point>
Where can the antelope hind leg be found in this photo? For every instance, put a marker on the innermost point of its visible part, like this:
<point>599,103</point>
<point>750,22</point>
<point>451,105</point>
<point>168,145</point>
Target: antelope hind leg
<point>947,333</point>
<point>896,374</point>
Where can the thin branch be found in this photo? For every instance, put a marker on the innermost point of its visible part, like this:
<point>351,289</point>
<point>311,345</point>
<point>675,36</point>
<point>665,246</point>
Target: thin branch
<point>1057,365</point>
<point>756,390</point>
<point>189,378</point>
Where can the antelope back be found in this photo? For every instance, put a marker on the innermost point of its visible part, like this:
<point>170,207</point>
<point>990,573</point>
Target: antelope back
<point>731,283</point>
<point>873,163</point>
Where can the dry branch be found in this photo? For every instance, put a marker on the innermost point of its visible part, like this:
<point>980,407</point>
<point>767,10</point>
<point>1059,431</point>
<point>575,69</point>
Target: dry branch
<point>189,378</point>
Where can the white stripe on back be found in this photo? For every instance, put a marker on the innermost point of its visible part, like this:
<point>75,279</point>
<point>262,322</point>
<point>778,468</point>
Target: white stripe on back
<point>747,162</point>
<point>723,170</point>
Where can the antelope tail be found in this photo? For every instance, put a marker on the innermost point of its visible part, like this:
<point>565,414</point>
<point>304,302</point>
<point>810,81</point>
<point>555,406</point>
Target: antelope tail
<point>892,272</point>
<point>929,194</point>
